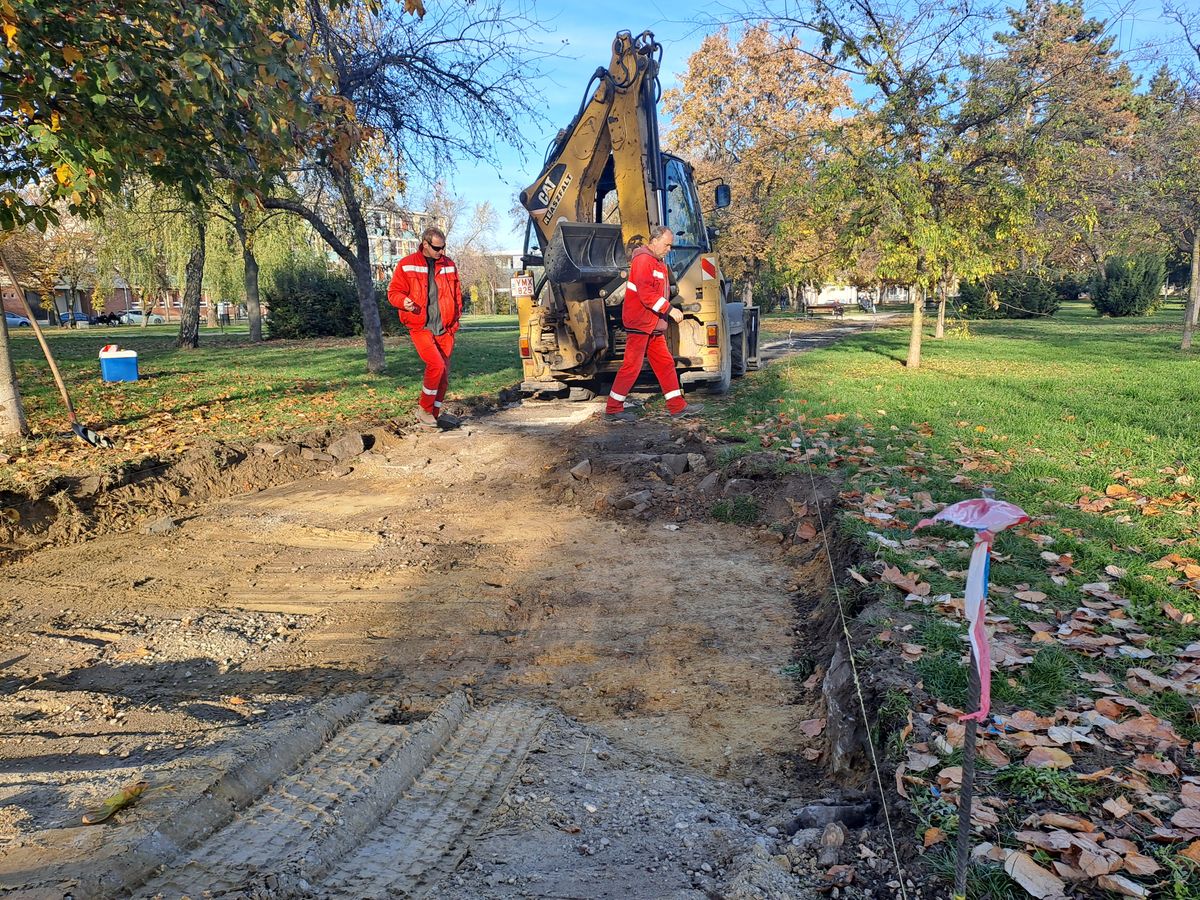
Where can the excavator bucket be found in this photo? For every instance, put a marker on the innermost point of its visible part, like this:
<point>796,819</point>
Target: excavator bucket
<point>585,252</point>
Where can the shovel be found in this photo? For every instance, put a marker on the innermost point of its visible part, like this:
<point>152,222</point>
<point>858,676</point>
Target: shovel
<point>82,432</point>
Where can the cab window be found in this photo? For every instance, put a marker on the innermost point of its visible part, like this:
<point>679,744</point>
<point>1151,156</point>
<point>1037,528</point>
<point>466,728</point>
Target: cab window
<point>683,216</point>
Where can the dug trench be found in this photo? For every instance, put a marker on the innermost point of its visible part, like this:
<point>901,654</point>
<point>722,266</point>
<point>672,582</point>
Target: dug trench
<point>517,659</point>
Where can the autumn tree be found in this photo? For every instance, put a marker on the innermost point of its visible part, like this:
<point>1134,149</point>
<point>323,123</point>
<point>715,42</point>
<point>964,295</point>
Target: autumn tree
<point>1171,133</point>
<point>754,112</point>
<point>88,96</point>
<point>474,253</point>
<point>407,95</point>
<point>1070,136</point>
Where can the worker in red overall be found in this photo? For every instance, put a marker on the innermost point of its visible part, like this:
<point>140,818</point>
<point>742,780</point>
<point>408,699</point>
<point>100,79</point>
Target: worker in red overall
<point>644,313</point>
<point>426,290</point>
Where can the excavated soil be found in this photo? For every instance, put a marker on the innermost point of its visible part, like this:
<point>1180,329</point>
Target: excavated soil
<point>533,557</point>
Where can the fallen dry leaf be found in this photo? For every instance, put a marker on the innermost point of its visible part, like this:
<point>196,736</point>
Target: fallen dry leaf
<point>1155,766</point>
<point>805,532</point>
<point>919,762</point>
<point>1119,884</point>
<point>994,755</point>
<point>950,777</point>
<point>1138,864</point>
<point>1118,807</point>
<point>1192,851</point>
<point>1038,882</point>
<point>1070,823</point>
<point>1096,863</point>
<point>933,836</point>
<point>1048,758</point>
<point>1188,817</point>
<point>1190,795</point>
<point>909,583</point>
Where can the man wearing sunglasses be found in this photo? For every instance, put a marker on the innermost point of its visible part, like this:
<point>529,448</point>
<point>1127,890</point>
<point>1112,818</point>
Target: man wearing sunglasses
<point>426,290</point>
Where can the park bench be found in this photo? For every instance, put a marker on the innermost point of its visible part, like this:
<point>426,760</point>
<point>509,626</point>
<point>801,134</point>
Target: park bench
<point>836,309</point>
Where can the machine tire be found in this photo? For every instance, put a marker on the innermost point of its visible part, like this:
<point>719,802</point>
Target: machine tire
<point>737,353</point>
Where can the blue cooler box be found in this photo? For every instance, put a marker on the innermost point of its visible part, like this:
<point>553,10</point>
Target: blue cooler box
<point>118,365</point>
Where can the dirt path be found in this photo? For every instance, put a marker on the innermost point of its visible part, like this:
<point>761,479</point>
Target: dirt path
<point>471,563</point>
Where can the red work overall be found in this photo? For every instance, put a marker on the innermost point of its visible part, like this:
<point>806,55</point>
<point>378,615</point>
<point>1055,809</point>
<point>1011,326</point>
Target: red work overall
<point>411,281</point>
<point>647,299</point>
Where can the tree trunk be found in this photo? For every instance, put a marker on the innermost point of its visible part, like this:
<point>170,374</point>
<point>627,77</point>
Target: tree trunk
<point>364,279</point>
<point>12,411</point>
<point>914,339</point>
<point>940,332</point>
<point>250,267</point>
<point>372,328</point>
<point>189,317</point>
<point>1193,304</point>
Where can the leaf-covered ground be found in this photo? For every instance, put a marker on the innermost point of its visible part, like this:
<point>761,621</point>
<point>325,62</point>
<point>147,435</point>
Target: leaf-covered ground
<point>1090,784</point>
<point>227,389</point>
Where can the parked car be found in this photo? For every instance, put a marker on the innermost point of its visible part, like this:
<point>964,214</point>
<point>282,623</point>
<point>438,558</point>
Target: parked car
<point>134,317</point>
<point>64,318</point>
<point>15,321</point>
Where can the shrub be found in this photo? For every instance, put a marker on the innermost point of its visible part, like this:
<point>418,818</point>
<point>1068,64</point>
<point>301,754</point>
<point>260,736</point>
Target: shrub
<point>1014,296</point>
<point>1132,286</point>
<point>312,300</point>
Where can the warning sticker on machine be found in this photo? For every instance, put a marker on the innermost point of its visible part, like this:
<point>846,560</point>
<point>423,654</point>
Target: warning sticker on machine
<point>708,268</point>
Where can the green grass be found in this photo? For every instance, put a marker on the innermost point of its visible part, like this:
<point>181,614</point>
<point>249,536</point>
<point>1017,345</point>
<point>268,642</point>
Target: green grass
<point>228,389</point>
<point>736,511</point>
<point>1046,408</point>
<point>985,881</point>
<point>1042,785</point>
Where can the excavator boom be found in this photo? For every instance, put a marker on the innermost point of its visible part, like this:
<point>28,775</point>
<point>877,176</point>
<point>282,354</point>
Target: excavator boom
<point>604,184</point>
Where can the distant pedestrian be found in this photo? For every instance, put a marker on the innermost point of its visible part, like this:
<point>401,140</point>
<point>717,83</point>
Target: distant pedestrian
<point>645,313</point>
<point>426,290</point>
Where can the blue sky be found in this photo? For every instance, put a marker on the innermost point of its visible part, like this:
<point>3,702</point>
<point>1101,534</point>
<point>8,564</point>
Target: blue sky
<point>581,36</point>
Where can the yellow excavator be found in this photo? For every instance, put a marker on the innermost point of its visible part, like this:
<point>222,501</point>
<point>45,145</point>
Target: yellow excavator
<point>605,181</point>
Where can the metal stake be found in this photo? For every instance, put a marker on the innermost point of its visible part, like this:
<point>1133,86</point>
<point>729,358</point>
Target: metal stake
<point>965,794</point>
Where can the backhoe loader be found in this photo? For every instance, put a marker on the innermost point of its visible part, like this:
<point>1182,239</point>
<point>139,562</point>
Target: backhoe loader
<point>605,182</point>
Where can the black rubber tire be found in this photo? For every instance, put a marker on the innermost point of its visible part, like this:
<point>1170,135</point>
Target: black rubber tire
<point>737,354</point>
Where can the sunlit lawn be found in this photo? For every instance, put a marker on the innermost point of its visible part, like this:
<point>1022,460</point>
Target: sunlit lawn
<point>228,389</point>
<point>1047,409</point>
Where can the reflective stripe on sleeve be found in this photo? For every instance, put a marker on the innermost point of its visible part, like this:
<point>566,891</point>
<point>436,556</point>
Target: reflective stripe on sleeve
<point>449,270</point>
<point>630,286</point>
<point>415,268</point>
<point>660,305</point>
<point>658,274</point>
